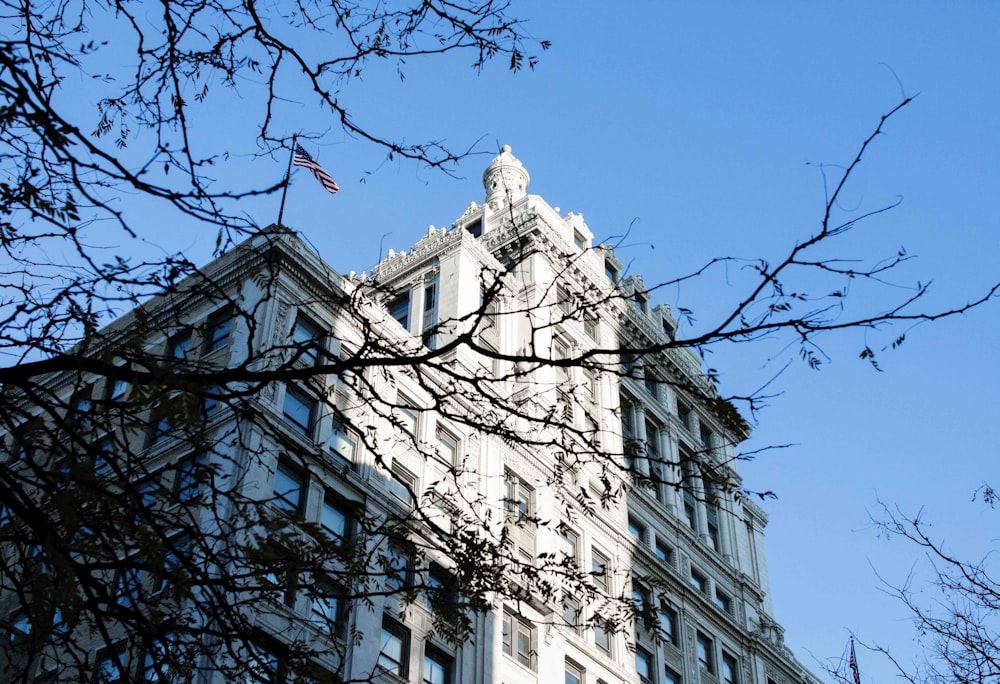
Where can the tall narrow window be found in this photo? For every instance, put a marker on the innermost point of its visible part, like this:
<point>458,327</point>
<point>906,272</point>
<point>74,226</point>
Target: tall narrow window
<point>288,488</point>
<point>667,624</point>
<point>217,333</point>
<point>712,519</point>
<point>729,670</point>
<point>179,347</point>
<point>305,341</point>
<point>399,308</point>
<point>706,657</point>
<point>519,640</point>
<point>599,570</point>
<point>394,647</point>
<point>644,665</point>
<point>335,519</point>
<point>342,445</point>
<point>437,666</point>
<point>298,410</point>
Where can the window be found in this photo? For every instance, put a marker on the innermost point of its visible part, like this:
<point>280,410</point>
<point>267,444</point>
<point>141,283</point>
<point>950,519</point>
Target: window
<point>650,382</point>
<point>729,670</point>
<point>447,445</point>
<point>109,667</point>
<point>564,300</point>
<point>298,410</point>
<point>667,627</point>
<point>217,332</point>
<point>394,647</point>
<point>706,659</point>
<point>641,606</point>
<point>399,308</point>
<point>664,552</point>
<point>306,341</point>
<point>519,640</point>
<point>707,438</point>
<point>628,419</point>
<point>684,414</point>
<point>570,543</point>
<point>574,673</point>
<point>117,390</point>
<point>518,505</point>
<point>179,346</point>
<point>402,483</point>
<point>327,608</point>
<point>335,519</point>
<point>20,627</point>
<point>407,420</point>
<point>475,228</point>
<point>644,665</point>
<point>430,314</point>
<point>611,271</point>
<point>440,587</point>
<point>637,530</point>
<point>437,666</point>
<point>579,239</point>
<point>699,581</point>
<point>723,601</point>
<point>288,488</point>
<point>653,441</point>
<point>602,635</point>
<point>190,475</point>
<point>599,570</point>
<point>399,567</point>
<point>128,585</point>
<point>669,676</point>
<point>712,523</point>
<point>517,499</point>
<point>342,445</point>
<point>640,302</point>
<point>571,613</point>
<point>590,327</point>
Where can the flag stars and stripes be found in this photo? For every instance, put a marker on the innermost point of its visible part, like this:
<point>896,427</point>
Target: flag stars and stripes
<point>305,160</point>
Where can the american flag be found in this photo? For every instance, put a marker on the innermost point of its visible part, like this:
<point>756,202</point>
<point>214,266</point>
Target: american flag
<point>853,664</point>
<point>302,158</point>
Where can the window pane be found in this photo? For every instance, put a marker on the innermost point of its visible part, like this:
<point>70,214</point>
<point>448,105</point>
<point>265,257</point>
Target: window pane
<point>287,489</point>
<point>334,519</point>
<point>298,411</point>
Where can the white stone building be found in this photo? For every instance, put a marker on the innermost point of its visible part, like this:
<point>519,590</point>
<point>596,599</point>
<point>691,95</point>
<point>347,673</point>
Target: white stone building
<point>491,400</point>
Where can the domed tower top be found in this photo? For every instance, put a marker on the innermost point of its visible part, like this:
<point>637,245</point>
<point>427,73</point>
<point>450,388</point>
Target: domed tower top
<point>505,177</point>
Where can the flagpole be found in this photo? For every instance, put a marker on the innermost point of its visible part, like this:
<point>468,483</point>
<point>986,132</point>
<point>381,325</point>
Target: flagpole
<point>288,176</point>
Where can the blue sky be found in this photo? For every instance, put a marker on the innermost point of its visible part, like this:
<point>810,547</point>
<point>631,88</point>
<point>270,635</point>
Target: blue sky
<point>706,124</point>
<point>703,126</point>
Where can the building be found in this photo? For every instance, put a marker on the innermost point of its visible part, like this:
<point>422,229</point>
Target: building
<point>482,462</point>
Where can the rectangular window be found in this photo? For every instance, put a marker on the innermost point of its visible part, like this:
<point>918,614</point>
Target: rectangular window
<point>519,640</point>
<point>189,478</point>
<point>342,445</point>
<point>335,519</point>
<point>669,676</point>
<point>699,581</point>
<point>599,570</point>
<point>399,308</point>
<point>579,239</point>
<point>628,419</point>
<point>684,414</point>
<point>328,608</point>
<point>298,410</point>
<point>440,588</point>
<point>706,658</point>
<point>650,382</point>
<point>643,616</point>
<point>117,390</point>
<point>707,438</point>
<point>571,613</point>
<point>289,488</point>
<point>570,542</point>
<point>517,500</point>
<point>217,332</point>
<point>729,669</point>
<point>723,601</point>
<point>305,342</point>
<point>399,567</point>
<point>644,665</point>
<point>637,530</point>
<point>437,666</point>
<point>611,271</point>
<point>447,445</point>
<point>574,673</point>
<point>407,418</point>
<point>667,624</point>
<point>664,552</point>
<point>111,666</point>
<point>179,346</point>
<point>712,523</point>
<point>590,328</point>
<point>394,647</point>
<point>602,635</point>
<point>475,228</point>
<point>401,484</point>
<point>653,441</point>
